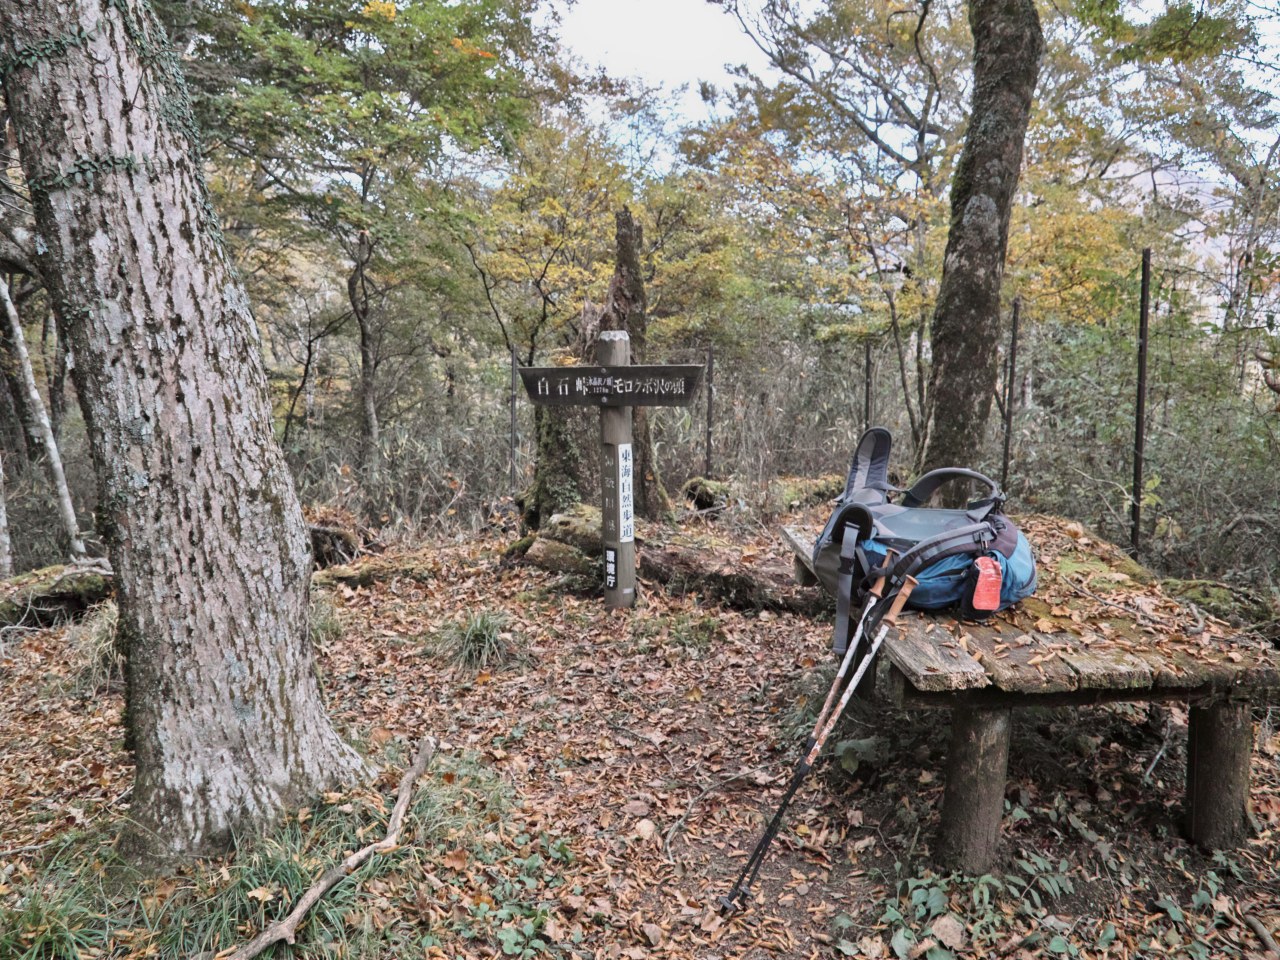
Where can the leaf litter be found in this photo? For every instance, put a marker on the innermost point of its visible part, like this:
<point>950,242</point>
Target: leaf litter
<point>644,750</point>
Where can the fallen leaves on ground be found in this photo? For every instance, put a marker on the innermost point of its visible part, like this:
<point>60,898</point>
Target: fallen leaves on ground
<point>645,750</point>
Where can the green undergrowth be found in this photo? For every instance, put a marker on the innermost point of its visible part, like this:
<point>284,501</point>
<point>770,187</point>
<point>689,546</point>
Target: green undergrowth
<point>691,633</point>
<point>480,641</point>
<point>465,870</point>
<point>1036,906</point>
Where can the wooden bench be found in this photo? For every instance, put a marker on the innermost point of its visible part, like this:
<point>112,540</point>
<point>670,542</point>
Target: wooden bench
<point>1099,630</point>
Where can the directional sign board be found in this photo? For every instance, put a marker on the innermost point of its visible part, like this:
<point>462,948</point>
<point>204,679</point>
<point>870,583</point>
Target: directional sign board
<point>650,385</point>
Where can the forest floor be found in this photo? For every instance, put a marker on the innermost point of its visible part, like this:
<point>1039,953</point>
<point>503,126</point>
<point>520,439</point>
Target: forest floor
<point>596,792</point>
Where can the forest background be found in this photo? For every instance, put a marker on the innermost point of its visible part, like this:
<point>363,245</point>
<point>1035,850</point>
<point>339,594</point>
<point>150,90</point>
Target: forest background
<point>415,193</point>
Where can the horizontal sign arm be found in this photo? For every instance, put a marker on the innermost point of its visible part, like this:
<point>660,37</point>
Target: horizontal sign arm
<point>642,385</point>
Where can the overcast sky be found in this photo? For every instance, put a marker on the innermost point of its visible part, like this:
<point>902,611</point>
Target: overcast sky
<point>671,42</point>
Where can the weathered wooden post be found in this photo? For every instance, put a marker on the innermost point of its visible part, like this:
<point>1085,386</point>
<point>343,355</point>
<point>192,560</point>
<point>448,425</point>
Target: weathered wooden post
<point>617,488</point>
<point>973,799</point>
<point>1219,748</point>
<point>615,387</point>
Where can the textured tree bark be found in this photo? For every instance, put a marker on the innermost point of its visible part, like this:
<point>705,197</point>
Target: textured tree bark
<point>1008,44</point>
<point>626,308</point>
<point>358,294</point>
<point>53,458</point>
<point>973,800</point>
<point>1219,748</point>
<point>195,504</point>
<point>556,468</point>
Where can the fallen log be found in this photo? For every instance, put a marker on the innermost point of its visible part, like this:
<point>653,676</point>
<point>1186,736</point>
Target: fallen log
<point>726,576</point>
<point>53,595</point>
<point>716,568</point>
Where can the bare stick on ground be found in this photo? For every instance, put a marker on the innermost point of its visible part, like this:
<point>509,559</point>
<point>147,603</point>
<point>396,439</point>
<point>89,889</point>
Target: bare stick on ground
<point>1273,950</point>
<point>287,928</point>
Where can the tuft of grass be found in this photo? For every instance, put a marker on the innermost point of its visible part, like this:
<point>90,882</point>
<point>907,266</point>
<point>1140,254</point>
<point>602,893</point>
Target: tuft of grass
<point>481,641</point>
<point>95,656</point>
<point>325,625</point>
<point>84,902</point>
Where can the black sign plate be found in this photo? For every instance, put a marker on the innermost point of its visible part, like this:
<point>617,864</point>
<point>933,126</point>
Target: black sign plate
<point>639,385</point>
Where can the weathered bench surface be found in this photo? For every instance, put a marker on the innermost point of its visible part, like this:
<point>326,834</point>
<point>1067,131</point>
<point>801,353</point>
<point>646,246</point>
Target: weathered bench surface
<point>1098,629</point>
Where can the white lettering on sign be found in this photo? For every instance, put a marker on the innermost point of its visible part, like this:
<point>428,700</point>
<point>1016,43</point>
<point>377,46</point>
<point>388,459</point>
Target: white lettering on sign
<point>626,499</point>
<point>610,568</point>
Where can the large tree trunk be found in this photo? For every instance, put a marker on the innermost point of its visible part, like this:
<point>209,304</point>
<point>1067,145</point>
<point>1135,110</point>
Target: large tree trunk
<point>1007,44</point>
<point>35,404</point>
<point>557,467</point>
<point>199,513</point>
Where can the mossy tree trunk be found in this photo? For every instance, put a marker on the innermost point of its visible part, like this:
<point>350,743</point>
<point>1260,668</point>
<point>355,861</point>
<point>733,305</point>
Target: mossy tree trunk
<point>626,308</point>
<point>1007,46</point>
<point>557,467</point>
<point>199,513</point>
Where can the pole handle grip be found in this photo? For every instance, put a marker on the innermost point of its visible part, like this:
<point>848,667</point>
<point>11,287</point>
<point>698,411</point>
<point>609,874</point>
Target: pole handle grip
<point>900,600</point>
<point>877,588</point>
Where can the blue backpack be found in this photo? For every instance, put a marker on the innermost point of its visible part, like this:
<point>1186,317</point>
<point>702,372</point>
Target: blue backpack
<point>955,554</point>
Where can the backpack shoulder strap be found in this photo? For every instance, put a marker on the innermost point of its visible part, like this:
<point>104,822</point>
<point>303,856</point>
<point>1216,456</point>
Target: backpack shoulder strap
<point>971,538</point>
<point>868,479</point>
<point>923,489</point>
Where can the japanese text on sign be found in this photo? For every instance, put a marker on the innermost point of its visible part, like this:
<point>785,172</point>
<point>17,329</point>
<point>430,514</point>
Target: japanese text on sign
<point>626,497</point>
<point>610,568</point>
<point>653,385</point>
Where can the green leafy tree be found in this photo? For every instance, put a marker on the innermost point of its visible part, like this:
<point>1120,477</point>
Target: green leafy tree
<point>340,128</point>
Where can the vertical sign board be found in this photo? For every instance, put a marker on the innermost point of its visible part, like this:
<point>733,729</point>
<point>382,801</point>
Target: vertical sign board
<point>615,387</point>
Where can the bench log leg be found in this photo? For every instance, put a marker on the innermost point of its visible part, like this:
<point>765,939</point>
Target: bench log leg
<point>973,802</point>
<point>1219,747</point>
<point>801,573</point>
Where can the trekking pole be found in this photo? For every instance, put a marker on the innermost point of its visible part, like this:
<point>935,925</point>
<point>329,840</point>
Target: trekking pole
<point>873,596</point>
<point>890,620</point>
<point>732,902</point>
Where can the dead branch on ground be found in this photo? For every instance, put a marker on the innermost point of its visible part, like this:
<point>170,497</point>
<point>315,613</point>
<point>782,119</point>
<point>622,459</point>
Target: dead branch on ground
<point>287,928</point>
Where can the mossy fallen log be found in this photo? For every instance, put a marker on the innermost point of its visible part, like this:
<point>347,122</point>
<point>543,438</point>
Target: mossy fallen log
<point>705,493</point>
<point>577,527</point>
<point>561,557</point>
<point>725,574</point>
<point>52,595</point>
<point>364,572</point>
<point>796,493</point>
<point>1234,604</point>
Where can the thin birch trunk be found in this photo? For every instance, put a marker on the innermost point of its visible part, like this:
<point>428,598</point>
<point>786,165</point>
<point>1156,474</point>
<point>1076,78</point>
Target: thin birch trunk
<point>41,416</point>
<point>6,546</point>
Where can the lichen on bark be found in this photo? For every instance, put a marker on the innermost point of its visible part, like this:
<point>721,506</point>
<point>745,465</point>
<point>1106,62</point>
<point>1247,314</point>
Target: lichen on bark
<point>204,530</point>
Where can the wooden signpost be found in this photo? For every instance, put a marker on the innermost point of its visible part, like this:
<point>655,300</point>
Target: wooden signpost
<point>615,387</point>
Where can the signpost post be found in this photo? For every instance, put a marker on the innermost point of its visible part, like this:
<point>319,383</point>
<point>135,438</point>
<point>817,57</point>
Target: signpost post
<point>615,387</point>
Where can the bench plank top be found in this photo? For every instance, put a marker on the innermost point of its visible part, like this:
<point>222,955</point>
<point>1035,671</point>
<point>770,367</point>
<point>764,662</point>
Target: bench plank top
<point>1099,628</point>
